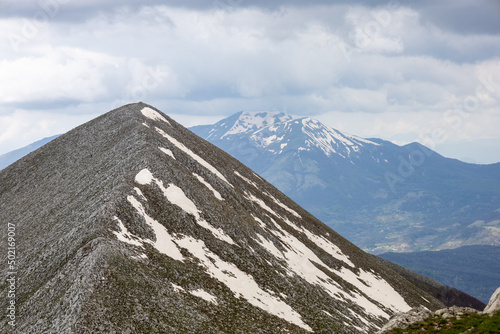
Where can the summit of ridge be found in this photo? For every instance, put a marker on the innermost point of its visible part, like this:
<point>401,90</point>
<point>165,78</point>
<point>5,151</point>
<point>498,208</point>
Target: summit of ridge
<point>131,223</point>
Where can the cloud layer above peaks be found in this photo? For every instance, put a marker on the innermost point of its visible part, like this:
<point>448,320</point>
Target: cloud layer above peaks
<point>411,67</point>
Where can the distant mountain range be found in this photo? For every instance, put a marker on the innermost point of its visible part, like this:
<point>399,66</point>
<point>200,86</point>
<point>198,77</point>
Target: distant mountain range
<point>130,223</point>
<point>471,269</point>
<point>10,157</point>
<point>381,196</point>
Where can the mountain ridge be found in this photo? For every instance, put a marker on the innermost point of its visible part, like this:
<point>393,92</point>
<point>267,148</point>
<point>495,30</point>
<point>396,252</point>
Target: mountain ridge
<point>129,223</point>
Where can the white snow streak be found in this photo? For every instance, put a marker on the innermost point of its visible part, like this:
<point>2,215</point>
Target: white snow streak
<point>209,186</point>
<point>193,155</point>
<point>270,247</point>
<point>261,203</point>
<point>250,182</point>
<point>164,241</point>
<point>293,212</point>
<point>154,115</point>
<point>377,289</point>
<point>144,177</point>
<point>178,288</point>
<point>242,284</point>
<point>176,196</point>
<point>125,236</point>
<point>167,152</point>
<point>327,246</point>
<point>217,232</point>
<point>261,223</point>
<point>139,192</point>
<point>300,261</point>
<point>200,293</point>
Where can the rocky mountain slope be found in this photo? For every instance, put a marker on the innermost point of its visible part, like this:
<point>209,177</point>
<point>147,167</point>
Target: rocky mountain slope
<point>381,196</point>
<point>132,224</point>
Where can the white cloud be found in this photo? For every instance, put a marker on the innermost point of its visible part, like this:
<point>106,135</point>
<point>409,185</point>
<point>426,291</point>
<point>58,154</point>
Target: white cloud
<point>22,127</point>
<point>402,72</point>
<point>55,74</point>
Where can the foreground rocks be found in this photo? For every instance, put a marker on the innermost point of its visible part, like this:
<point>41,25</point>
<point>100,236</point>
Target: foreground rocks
<point>404,320</point>
<point>420,314</point>
<point>494,304</point>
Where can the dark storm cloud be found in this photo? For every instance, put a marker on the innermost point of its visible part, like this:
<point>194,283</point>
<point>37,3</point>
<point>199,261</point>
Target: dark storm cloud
<point>462,17</point>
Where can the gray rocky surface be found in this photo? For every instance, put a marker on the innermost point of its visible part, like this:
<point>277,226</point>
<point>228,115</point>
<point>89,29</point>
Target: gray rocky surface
<point>494,303</point>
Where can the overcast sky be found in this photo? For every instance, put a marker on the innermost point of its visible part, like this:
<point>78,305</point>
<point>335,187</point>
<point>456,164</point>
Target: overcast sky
<point>404,71</point>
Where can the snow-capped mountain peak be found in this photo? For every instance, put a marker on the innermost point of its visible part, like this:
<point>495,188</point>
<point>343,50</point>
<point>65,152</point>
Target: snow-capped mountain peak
<point>330,140</point>
<point>251,121</point>
<point>278,133</point>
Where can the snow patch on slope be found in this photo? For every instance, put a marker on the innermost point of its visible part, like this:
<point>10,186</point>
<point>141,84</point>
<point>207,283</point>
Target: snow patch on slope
<point>209,186</point>
<point>193,155</point>
<point>125,236</point>
<point>249,121</point>
<point>293,212</point>
<point>303,262</point>
<point>176,196</point>
<point>164,241</point>
<point>376,288</point>
<point>327,246</point>
<point>327,139</point>
<point>154,115</point>
<point>242,284</point>
<point>261,203</point>
<point>250,182</point>
<point>200,293</point>
<point>167,152</point>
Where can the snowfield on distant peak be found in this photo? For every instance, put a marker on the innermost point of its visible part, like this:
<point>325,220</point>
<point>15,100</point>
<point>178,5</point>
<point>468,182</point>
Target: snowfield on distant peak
<point>249,121</point>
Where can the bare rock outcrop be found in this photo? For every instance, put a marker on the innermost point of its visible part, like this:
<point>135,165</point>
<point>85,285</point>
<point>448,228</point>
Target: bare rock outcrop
<point>404,320</point>
<point>494,303</point>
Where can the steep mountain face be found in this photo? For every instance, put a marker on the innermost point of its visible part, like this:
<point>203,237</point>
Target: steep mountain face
<point>10,157</point>
<point>132,224</point>
<point>381,196</point>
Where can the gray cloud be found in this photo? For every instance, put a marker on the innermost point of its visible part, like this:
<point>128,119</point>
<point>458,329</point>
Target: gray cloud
<point>203,58</point>
<point>465,16</point>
